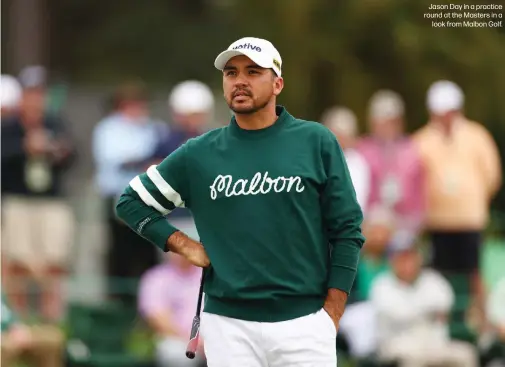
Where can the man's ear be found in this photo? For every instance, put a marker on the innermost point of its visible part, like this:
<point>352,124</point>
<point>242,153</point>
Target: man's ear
<point>278,85</point>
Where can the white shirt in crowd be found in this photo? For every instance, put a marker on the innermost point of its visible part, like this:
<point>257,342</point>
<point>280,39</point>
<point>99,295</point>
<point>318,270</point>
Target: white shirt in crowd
<point>406,309</point>
<point>360,175</point>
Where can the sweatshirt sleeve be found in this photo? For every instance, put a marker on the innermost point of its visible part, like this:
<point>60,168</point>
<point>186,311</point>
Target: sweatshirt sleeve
<point>342,216</point>
<point>152,195</point>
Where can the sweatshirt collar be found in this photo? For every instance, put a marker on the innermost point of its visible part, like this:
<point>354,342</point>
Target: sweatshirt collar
<point>280,111</point>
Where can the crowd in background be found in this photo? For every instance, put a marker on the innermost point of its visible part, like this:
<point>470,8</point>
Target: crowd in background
<point>425,199</point>
<point>435,184</point>
<point>37,221</point>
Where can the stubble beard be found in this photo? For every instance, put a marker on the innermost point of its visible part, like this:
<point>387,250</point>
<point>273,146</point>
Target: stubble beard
<point>248,110</point>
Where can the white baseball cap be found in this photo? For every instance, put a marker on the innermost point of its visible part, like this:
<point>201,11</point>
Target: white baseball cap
<point>191,96</point>
<point>261,51</point>
<point>444,96</point>
<point>386,104</point>
<point>10,91</point>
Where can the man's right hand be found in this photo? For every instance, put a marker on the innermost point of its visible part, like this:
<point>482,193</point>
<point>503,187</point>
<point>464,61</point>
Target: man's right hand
<point>191,250</point>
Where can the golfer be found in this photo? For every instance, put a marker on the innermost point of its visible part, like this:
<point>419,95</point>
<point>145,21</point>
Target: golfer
<point>274,204</point>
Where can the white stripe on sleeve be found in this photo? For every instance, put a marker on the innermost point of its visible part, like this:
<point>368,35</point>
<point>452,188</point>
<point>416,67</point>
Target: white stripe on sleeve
<point>146,197</point>
<point>164,187</point>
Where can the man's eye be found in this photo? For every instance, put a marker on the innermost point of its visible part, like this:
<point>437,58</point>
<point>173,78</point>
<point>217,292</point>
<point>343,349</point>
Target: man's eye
<point>253,72</point>
<point>230,73</point>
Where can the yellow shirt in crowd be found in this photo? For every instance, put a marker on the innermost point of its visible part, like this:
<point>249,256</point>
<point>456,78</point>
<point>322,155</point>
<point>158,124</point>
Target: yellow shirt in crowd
<point>462,174</point>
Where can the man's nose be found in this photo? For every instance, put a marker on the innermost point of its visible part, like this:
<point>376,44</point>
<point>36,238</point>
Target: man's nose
<point>241,80</point>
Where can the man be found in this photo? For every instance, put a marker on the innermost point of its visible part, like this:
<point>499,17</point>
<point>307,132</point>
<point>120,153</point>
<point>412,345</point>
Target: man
<point>412,307</point>
<point>41,345</point>
<point>396,170</point>
<point>463,174</point>
<point>357,326</point>
<point>274,206</point>
<point>343,123</point>
<point>191,109</point>
<point>378,228</point>
<point>122,142</point>
<point>167,302</point>
<point>36,152</point>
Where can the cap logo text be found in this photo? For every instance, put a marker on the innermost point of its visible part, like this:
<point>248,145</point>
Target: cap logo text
<point>247,46</point>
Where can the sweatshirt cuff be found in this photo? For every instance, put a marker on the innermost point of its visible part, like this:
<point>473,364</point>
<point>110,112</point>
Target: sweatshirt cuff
<point>158,232</point>
<point>344,265</point>
<point>341,278</point>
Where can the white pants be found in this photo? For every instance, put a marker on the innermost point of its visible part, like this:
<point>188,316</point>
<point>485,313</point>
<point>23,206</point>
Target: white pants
<point>308,341</point>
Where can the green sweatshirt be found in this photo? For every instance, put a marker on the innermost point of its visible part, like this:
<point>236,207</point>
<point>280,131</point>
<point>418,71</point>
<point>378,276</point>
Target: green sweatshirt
<point>275,209</point>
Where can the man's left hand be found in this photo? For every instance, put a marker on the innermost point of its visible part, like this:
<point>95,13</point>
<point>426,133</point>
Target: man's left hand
<point>333,315</point>
<point>334,305</point>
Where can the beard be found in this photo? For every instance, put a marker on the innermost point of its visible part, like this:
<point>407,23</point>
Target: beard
<point>248,109</point>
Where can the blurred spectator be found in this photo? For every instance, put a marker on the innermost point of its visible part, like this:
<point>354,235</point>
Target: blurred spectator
<point>396,171</point>
<point>496,315</point>
<point>37,221</point>
<point>462,175</point>
<point>378,228</point>
<point>11,95</point>
<point>357,325</point>
<point>167,301</point>
<point>41,345</point>
<point>122,143</point>
<point>496,310</point>
<point>191,109</point>
<point>343,123</point>
<point>412,306</point>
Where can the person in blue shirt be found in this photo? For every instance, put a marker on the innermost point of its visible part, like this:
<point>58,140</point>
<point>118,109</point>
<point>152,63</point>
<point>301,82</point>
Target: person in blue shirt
<point>123,142</point>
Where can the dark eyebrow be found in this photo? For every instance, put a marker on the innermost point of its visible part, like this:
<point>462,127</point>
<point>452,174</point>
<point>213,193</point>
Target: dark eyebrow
<point>252,66</point>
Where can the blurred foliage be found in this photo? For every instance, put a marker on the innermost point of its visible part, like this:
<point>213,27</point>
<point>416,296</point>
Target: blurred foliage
<point>333,51</point>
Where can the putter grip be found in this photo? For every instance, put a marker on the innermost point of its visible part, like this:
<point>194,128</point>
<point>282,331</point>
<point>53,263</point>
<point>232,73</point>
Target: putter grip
<point>193,340</point>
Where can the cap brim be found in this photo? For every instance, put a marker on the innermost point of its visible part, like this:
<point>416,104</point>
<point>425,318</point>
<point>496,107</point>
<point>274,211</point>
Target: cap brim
<point>225,56</point>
